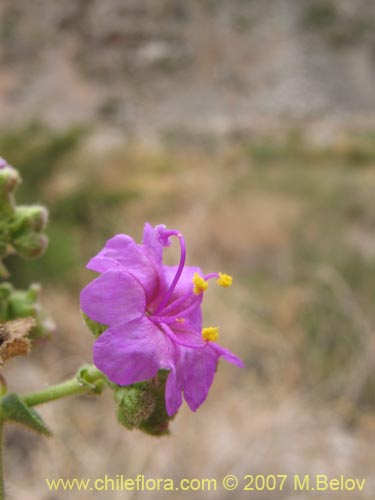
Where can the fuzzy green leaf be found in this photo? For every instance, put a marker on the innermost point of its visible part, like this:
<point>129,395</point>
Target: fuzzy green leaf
<point>13,409</point>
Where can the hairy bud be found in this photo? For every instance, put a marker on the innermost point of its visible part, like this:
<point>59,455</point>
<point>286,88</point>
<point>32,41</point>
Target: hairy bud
<point>31,245</point>
<point>28,218</point>
<point>135,404</point>
<point>142,406</point>
<point>23,303</point>
<point>9,179</point>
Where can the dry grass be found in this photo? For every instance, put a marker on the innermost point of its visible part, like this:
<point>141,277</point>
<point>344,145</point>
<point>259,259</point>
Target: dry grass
<point>284,232</point>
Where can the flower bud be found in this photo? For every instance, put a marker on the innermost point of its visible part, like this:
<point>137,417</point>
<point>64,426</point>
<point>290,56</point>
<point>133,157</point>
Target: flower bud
<point>26,218</point>
<point>135,403</point>
<point>22,303</point>
<point>9,179</point>
<point>142,406</point>
<point>157,424</point>
<point>31,245</point>
<point>7,205</point>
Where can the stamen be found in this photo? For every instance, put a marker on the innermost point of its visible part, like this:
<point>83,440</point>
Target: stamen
<point>210,333</point>
<point>200,284</point>
<point>224,280</point>
<point>163,236</point>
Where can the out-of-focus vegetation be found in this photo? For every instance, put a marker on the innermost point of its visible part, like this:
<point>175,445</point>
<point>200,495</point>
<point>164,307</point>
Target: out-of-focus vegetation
<point>304,244</point>
<point>341,27</point>
<point>326,276</point>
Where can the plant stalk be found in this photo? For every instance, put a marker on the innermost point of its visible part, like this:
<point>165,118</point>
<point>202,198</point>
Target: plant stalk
<point>94,381</point>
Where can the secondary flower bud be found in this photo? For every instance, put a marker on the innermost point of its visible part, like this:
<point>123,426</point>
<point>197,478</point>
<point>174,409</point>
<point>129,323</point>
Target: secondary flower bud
<point>23,303</point>
<point>135,404</point>
<point>142,406</point>
<point>26,218</point>
<point>31,245</point>
<point>9,179</point>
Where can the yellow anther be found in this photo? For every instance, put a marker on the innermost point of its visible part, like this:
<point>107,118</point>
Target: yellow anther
<point>224,280</point>
<point>180,320</point>
<point>210,333</point>
<point>200,284</point>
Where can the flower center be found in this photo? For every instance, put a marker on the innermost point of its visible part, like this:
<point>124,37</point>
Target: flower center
<point>200,283</point>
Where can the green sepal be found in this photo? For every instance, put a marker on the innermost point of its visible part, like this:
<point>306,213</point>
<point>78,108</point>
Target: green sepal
<point>85,377</point>
<point>95,328</point>
<point>13,409</point>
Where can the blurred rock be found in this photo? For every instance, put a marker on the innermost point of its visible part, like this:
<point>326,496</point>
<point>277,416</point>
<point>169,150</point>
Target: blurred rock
<point>151,66</point>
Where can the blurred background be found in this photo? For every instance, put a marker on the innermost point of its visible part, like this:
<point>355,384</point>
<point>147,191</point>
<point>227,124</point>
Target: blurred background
<point>249,126</point>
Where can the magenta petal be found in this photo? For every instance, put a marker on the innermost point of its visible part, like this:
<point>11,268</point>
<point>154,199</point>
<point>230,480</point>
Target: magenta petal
<point>121,250</point>
<point>113,298</point>
<point>198,367</point>
<point>227,355</point>
<point>151,244</point>
<point>132,353</point>
<point>181,335</point>
<point>194,317</point>
<point>173,394</point>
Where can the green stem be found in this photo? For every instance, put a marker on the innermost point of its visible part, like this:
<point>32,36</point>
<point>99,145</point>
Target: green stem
<point>92,380</point>
<point>67,388</point>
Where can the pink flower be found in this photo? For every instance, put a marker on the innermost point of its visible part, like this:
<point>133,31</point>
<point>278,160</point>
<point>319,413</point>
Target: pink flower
<point>154,319</point>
